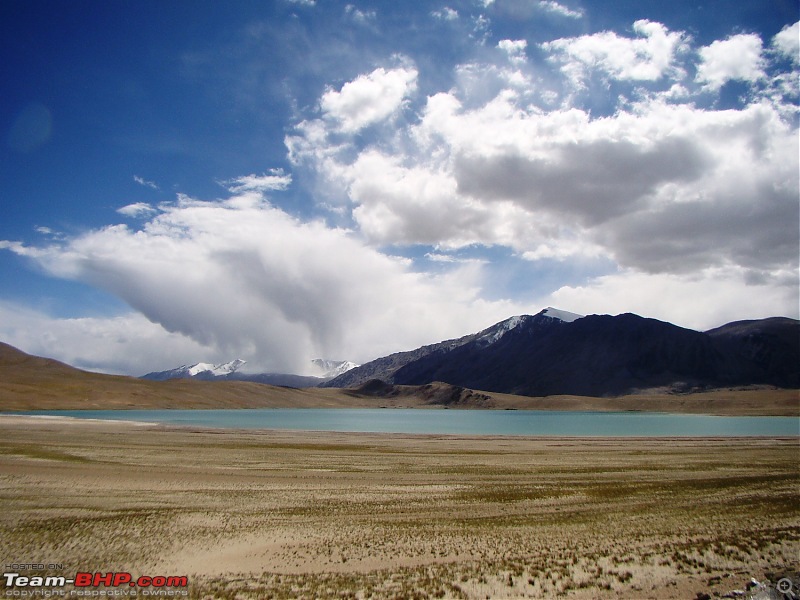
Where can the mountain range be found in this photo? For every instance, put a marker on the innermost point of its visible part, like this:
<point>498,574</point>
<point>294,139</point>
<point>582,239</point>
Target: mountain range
<point>556,352</point>
<point>327,369</point>
<point>553,360</point>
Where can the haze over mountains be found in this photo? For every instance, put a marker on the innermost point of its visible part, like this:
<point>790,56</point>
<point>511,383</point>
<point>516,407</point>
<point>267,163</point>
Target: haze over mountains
<point>327,369</point>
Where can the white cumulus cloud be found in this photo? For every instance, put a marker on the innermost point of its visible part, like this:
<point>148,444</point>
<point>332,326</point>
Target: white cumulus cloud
<point>648,57</point>
<point>737,57</point>
<point>369,99</point>
<point>137,209</point>
<point>787,42</point>
<point>514,48</point>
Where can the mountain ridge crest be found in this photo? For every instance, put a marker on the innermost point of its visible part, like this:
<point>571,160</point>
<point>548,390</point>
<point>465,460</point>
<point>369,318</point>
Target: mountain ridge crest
<point>557,352</point>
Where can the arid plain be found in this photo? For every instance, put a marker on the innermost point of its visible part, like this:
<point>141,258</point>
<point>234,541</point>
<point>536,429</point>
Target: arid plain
<point>271,514</point>
<point>276,514</point>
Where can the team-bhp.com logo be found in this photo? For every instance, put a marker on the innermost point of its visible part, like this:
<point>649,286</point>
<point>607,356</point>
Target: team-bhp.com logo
<point>95,584</point>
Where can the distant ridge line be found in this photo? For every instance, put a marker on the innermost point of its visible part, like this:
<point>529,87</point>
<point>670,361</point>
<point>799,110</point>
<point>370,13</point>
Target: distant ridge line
<point>556,352</point>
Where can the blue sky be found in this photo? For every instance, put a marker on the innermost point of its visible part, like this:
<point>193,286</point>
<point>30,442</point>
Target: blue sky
<point>284,180</point>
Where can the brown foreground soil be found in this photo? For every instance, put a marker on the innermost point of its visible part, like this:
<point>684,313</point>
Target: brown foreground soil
<point>301,515</point>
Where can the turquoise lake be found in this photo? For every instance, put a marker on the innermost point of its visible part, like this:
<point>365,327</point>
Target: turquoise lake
<point>458,422</point>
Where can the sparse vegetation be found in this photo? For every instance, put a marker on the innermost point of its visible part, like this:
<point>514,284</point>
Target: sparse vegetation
<point>277,515</point>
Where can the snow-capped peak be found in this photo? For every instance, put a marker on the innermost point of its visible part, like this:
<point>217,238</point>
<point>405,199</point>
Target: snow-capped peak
<point>561,315</point>
<point>329,369</point>
<point>216,370</point>
<point>495,332</point>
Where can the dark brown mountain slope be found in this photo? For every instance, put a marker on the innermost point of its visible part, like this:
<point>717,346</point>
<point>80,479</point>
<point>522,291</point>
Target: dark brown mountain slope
<point>598,355</point>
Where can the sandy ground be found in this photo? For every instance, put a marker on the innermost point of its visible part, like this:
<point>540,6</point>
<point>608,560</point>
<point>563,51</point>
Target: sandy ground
<point>299,515</point>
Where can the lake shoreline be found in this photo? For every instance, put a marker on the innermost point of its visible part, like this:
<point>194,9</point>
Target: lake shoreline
<point>519,423</point>
<point>26,420</point>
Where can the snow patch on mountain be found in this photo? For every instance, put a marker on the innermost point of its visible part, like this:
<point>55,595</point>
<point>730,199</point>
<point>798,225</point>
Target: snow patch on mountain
<point>216,370</point>
<point>561,315</point>
<point>495,332</point>
<point>328,369</point>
